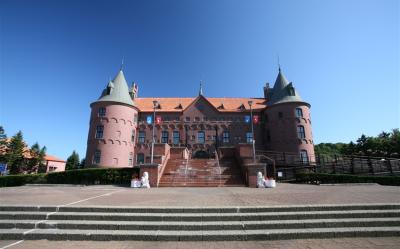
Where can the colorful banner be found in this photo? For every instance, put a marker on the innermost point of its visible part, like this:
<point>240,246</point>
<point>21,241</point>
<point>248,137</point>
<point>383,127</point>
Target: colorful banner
<point>149,119</point>
<point>256,119</point>
<point>158,120</point>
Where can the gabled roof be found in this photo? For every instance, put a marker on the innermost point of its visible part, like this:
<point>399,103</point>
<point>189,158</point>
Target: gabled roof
<point>230,104</point>
<point>117,90</point>
<point>283,91</point>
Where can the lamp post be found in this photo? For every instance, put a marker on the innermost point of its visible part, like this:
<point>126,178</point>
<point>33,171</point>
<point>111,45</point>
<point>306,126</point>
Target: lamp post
<point>155,104</point>
<point>252,131</point>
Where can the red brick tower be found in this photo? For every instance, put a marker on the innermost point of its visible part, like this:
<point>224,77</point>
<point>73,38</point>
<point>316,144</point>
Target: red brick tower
<point>287,121</point>
<point>113,122</point>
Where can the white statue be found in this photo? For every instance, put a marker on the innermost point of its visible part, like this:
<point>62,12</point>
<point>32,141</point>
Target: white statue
<point>145,180</point>
<point>260,180</point>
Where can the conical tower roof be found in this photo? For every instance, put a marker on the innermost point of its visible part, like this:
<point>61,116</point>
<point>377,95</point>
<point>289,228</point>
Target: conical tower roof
<point>280,82</point>
<point>117,90</point>
<point>283,91</point>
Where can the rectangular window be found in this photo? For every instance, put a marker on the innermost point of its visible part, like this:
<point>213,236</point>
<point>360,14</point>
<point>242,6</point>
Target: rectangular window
<point>176,137</point>
<point>133,136</point>
<point>266,118</point>
<point>97,157</point>
<point>142,137</point>
<point>102,112</point>
<point>164,137</point>
<point>225,137</point>
<point>300,132</point>
<point>135,118</point>
<point>99,131</point>
<point>268,136</point>
<point>187,119</point>
<point>280,114</point>
<point>140,158</point>
<point>197,119</point>
<point>299,113</point>
<point>130,160</point>
<point>249,137</point>
<point>303,157</point>
<point>201,137</point>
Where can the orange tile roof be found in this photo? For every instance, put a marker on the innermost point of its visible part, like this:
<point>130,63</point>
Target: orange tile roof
<point>53,158</point>
<point>171,104</point>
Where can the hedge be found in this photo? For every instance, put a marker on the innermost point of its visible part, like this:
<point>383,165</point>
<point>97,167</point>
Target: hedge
<point>120,176</point>
<point>338,178</point>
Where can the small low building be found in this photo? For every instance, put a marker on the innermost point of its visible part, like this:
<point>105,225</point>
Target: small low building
<point>54,164</point>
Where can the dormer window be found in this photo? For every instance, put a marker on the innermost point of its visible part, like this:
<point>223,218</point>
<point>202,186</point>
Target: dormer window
<point>110,88</point>
<point>241,107</point>
<point>221,107</point>
<point>291,91</point>
<point>179,106</point>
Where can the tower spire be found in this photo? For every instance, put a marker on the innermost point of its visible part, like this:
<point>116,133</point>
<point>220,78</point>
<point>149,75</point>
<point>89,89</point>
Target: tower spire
<point>279,64</point>
<point>122,64</point>
<point>201,87</point>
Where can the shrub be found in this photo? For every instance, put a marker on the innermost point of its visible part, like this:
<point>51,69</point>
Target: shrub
<point>18,180</point>
<point>121,176</point>
<point>337,178</point>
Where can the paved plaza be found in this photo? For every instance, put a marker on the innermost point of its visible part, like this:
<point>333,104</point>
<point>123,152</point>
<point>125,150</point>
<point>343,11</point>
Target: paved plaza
<point>343,243</point>
<point>284,194</point>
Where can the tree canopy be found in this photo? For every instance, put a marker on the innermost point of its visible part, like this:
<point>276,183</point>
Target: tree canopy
<point>386,144</point>
<point>73,161</point>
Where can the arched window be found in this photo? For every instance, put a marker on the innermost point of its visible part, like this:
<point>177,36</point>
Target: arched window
<point>97,157</point>
<point>300,132</point>
<point>303,157</point>
<point>99,132</point>
<point>299,113</point>
<point>102,112</point>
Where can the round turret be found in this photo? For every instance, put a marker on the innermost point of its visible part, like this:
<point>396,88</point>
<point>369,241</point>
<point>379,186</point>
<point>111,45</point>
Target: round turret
<point>113,122</point>
<point>288,122</point>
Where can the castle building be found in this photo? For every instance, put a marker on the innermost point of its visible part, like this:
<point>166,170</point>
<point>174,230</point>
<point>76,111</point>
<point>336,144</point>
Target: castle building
<point>121,123</point>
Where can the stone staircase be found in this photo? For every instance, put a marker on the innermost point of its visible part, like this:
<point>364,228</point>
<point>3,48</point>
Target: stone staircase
<point>201,173</point>
<point>198,224</point>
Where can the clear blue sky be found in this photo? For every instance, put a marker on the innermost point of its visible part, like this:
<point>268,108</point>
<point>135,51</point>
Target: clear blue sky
<point>56,56</point>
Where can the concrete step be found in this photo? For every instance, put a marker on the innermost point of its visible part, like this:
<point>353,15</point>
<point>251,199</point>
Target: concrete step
<point>217,235</point>
<point>197,226</point>
<point>186,217</point>
<point>235,210</point>
<point>209,224</point>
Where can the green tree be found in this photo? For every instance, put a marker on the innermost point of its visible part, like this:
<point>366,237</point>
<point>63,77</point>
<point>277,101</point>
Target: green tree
<point>37,161</point>
<point>72,161</point>
<point>15,153</point>
<point>3,145</point>
<point>82,164</point>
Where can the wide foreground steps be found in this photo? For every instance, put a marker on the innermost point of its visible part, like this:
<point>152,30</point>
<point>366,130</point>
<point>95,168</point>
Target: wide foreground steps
<point>199,217</point>
<point>198,223</point>
<point>198,226</point>
<point>274,234</point>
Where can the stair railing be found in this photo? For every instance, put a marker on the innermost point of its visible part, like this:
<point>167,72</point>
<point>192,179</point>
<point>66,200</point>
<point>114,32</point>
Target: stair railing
<point>219,168</point>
